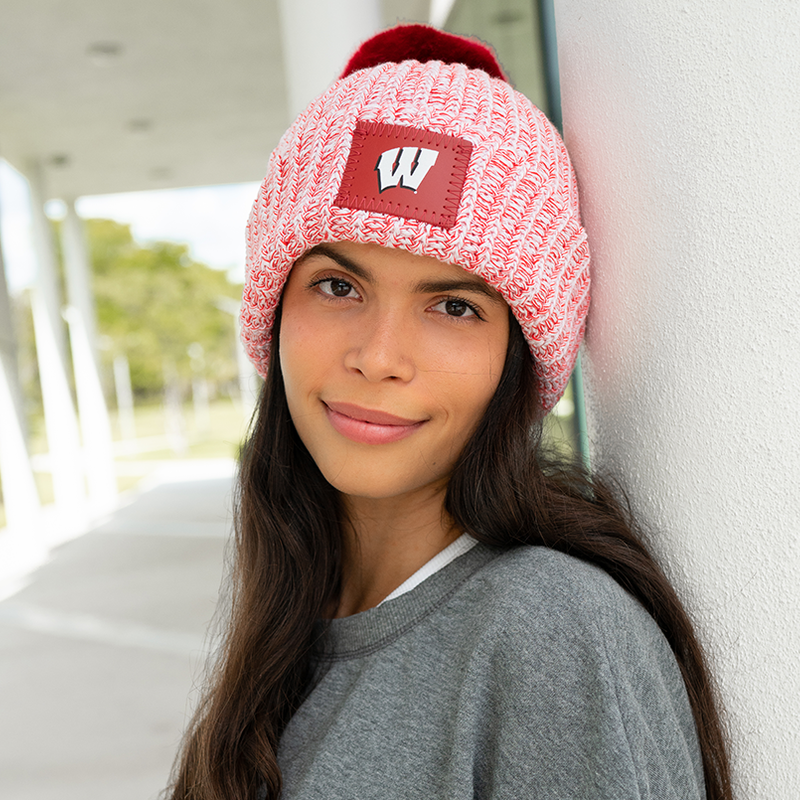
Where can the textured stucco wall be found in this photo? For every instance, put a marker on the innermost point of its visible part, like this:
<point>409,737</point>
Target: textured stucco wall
<point>683,120</point>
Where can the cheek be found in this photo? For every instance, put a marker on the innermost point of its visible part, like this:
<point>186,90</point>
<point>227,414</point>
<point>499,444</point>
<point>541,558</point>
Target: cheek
<point>467,349</point>
<point>302,376</point>
<point>488,366</point>
<point>466,369</point>
<point>304,347</point>
<point>473,398</point>
<point>291,357</point>
<point>462,385</point>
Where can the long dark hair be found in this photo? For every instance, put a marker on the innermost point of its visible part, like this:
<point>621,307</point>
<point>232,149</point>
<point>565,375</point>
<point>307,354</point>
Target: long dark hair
<point>287,570</point>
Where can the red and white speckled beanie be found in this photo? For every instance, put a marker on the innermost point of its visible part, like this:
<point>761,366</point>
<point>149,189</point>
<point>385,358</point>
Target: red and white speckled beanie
<point>413,149</point>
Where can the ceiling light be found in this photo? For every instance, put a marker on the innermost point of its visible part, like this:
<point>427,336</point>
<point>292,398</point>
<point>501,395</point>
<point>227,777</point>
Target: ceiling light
<point>141,125</point>
<point>101,54</point>
<point>509,17</point>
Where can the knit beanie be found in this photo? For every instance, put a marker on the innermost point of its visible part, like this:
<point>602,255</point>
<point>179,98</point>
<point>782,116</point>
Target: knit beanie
<point>423,145</point>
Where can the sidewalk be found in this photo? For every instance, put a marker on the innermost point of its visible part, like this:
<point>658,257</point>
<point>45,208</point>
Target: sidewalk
<point>100,650</point>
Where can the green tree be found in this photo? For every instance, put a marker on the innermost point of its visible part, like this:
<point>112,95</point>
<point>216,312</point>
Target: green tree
<point>153,303</point>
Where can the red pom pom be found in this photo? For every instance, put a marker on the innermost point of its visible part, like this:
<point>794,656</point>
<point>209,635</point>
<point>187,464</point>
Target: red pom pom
<point>423,43</point>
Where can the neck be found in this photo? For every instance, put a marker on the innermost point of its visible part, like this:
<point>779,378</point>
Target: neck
<point>386,541</point>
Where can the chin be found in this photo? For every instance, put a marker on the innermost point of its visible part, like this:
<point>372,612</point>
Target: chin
<point>383,484</point>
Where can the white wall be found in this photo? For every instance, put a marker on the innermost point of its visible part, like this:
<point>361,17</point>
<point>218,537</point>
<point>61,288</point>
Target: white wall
<point>683,120</point>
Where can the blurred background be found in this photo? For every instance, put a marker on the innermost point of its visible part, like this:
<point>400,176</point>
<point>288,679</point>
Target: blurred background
<point>132,138</point>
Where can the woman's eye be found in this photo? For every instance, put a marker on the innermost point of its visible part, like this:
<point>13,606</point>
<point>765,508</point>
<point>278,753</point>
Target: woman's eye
<point>456,308</point>
<point>336,287</point>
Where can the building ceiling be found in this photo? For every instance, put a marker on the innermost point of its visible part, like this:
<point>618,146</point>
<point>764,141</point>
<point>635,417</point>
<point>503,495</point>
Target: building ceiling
<point>110,95</point>
<point>101,96</point>
<point>114,95</point>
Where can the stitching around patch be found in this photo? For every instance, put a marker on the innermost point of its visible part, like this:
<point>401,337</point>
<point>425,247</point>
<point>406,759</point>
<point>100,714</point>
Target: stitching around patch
<point>405,172</point>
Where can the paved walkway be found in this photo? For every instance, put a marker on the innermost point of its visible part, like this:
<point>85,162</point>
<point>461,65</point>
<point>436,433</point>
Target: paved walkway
<point>100,650</point>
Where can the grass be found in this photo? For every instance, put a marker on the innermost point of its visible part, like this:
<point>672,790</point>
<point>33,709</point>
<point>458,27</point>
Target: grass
<point>217,434</point>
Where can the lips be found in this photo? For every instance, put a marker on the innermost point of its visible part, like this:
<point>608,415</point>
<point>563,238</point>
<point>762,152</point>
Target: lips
<point>369,426</point>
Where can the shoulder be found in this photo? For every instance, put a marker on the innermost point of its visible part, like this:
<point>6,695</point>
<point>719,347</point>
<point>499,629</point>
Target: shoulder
<point>538,595</point>
<point>531,569</point>
<point>576,664</point>
<point>530,579</point>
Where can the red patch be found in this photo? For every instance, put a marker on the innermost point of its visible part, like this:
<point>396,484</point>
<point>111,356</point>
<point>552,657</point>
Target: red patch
<point>405,172</point>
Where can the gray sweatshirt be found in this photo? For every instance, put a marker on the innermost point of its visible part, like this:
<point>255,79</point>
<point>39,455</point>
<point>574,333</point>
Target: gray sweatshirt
<point>508,674</point>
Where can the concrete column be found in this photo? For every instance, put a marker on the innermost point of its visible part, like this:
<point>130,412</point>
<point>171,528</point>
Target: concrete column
<point>93,411</point>
<point>8,342</point>
<point>440,11</point>
<point>61,424</point>
<point>47,285</point>
<point>249,380</point>
<point>682,121</point>
<point>77,271</point>
<point>124,392</point>
<point>20,496</point>
<point>318,38</point>
<point>98,454</point>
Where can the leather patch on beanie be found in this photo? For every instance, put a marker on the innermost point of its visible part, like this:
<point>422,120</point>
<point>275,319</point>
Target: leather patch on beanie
<point>406,172</point>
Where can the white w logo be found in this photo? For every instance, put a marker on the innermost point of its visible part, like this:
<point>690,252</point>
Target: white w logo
<point>404,166</point>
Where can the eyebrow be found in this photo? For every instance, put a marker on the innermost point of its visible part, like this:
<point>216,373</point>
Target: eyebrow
<point>342,261</point>
<point>459,285</point>
<point>466,284</point>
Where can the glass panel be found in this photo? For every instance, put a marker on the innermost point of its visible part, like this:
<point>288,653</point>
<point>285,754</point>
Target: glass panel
<point>515,30</point>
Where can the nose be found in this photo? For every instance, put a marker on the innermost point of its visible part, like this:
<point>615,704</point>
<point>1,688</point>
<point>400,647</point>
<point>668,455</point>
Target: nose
<point>382,349</point>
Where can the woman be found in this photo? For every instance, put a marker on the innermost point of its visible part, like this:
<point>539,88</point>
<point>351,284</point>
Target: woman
<point>422,605</point>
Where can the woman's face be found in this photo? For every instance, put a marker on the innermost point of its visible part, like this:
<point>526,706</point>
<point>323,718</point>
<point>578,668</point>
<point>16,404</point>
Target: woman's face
<point>389,361</point>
